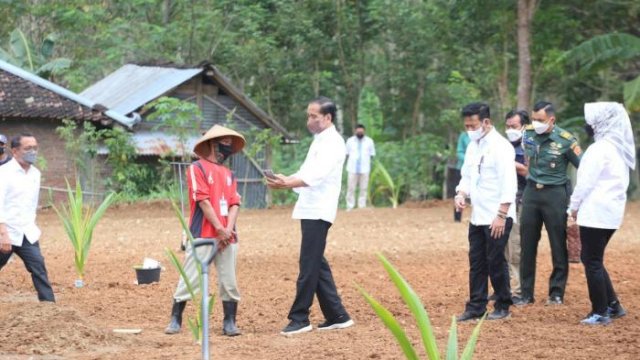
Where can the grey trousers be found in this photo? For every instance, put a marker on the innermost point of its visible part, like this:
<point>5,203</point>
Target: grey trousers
<point>362,182</point>
<point>225,263</point>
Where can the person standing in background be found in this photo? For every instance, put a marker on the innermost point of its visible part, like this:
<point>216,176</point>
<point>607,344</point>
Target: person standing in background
<point>515,122</point>
<point>461,148</point>
<point>5,156</point>
<point>599,199</point>
<point>360,152</point>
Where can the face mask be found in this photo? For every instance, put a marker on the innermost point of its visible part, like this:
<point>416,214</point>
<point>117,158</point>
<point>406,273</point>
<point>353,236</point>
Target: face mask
<point>514,135</point>
<point>475,135</point>
<point>540,127</point>
<point>30,157</point>
<point>359,136</point>
<point>589,130</point>
<point>225,151</point>
<point>1,150</point>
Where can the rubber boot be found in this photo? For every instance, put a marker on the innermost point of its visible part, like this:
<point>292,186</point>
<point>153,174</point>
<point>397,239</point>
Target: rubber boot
<point>230,309</point>
<point>176,317</point>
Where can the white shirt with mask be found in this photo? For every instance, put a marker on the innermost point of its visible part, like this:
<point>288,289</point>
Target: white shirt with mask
<point>360,152</point>
<point>322,172</point>
<point>489,177</point>
<point>19,191</point>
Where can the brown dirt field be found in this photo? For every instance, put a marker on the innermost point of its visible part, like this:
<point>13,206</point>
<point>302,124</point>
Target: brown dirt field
<point>421,240</point>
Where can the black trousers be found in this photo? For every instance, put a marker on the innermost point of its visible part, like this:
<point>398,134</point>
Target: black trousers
<point>315,275</point>
<point>546,206</point>
<point>34,262</point>
<point>487,261</point>
<point>601,293</point>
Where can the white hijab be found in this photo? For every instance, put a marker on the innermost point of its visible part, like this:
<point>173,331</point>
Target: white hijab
<point>611,122</point>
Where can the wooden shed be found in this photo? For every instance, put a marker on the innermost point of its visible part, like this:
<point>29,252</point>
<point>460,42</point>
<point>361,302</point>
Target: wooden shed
<point>128,89</point>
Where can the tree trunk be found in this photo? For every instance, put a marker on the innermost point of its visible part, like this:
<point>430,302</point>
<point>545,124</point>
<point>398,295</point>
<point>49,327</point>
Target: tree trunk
<point>526,9</point>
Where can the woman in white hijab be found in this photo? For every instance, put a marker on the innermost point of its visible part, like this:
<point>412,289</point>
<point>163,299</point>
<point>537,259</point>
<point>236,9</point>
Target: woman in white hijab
<point>599,199</point>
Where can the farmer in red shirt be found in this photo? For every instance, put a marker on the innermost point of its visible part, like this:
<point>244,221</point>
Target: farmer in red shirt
<point>214,204</point>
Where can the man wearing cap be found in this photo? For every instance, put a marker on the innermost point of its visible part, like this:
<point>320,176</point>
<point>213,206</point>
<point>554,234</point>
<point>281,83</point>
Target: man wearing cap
<point>318,184</point>
<point>214,203</point>
<point>5,156</point>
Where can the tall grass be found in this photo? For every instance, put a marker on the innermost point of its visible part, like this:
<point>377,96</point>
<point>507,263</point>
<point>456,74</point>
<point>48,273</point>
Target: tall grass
<point>79,221</point>
<point>413,302</point>
<point>195,325</point>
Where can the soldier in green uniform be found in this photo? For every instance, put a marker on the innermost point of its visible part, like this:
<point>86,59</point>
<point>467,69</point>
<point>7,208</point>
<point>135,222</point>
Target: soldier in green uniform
<point>548,150</point>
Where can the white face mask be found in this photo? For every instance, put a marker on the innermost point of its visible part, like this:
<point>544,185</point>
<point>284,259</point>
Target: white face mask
<point>514,134</point>
<point>475,135</point>
<point>540,127</point>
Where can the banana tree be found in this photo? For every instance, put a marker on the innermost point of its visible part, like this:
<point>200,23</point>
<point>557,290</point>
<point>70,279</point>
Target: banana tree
<point>38,60</point>
<point>605,50</point>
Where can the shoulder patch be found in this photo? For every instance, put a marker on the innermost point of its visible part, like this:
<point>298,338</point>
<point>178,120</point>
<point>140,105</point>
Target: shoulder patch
<point>567,135</point>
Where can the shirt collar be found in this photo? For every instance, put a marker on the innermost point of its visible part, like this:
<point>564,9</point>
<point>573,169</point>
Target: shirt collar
<point>326,132</point>
<point>489,135</point>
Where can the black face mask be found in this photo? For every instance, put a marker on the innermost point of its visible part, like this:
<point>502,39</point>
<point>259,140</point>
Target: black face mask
<point>225,151</point>
<point>359,136</point>
<point>1,150</point>
<point>589,130</point>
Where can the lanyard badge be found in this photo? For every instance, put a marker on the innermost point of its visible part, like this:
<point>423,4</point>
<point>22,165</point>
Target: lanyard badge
<point>224,207</point>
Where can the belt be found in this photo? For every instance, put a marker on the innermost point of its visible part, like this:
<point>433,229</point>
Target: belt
<point>539,186</point>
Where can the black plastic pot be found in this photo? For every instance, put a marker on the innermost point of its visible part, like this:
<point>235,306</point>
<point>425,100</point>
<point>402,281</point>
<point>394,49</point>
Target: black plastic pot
<point>147,276</point>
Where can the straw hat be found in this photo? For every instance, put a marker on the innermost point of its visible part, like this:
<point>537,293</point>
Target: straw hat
<point>202,148</point>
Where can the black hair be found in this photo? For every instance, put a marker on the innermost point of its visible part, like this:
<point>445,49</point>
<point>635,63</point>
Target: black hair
<point>15,141</point>
<point>522,114</point>
<point>546,106</point>
<point>360,126</point>
<point>480,109</point>
<point>327,106</point>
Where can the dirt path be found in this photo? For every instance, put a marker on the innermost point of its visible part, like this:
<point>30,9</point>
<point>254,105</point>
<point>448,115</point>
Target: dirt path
<point>429,250</point>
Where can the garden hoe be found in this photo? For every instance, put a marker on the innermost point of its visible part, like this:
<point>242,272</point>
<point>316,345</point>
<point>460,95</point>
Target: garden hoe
<point>204,268</point>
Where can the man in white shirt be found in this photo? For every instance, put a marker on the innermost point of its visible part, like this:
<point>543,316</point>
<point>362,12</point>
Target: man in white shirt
<point>318,184</point>
<point>488,177</point>
<point>360,151</point>
<point>19,190</point>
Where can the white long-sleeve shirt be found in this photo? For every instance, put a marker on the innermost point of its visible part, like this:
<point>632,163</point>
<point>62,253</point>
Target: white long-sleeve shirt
<point>488,177</point>
<point>322,172</point>
<point>359,152</point>
<point>19,191</point>
<point>600,194</point>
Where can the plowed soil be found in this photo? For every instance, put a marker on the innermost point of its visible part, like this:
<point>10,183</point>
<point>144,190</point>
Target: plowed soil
<point>420,239</point>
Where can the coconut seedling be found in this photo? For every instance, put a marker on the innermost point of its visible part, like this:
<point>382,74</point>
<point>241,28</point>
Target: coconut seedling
<point>195,325</point>
<point>414,304</point>
<point>79,221</point>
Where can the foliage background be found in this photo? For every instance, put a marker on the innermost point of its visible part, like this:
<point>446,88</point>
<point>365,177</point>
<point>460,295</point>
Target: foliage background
<point>403,67</point>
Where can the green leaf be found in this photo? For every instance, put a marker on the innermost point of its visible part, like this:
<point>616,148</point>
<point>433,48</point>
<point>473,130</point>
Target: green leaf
<point>417,308</point>
<point>632,95</point>
<point>452,345</point>
<point>467,354</point>
<point>392,324</point>
<point>20,47</point>
<point>604,50</point>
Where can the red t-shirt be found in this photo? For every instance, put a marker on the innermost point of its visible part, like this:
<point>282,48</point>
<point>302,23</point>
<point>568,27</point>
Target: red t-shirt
<point>213,182</point>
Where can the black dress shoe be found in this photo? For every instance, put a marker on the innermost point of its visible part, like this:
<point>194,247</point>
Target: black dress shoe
<point>468,316</point>
<point>523,301</point>
<point>498,314</point>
